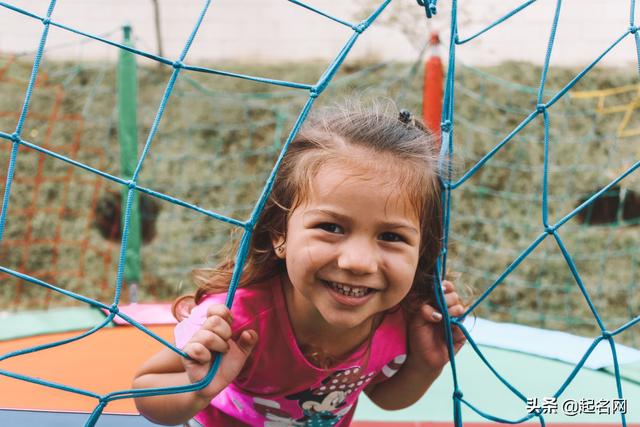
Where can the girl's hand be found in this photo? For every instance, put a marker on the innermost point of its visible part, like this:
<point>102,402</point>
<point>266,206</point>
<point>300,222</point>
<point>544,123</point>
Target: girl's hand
<point>427,344</point>
<point>215,336</point>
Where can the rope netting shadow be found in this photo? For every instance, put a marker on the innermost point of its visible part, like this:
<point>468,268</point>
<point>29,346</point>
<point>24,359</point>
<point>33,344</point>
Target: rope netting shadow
<point>549,231</point>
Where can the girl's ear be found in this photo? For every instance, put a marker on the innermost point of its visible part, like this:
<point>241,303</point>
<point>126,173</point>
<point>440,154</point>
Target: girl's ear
<point>279,246</point>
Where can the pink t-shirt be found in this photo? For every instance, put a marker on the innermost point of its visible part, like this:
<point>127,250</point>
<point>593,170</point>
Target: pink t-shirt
<point>278,386</point>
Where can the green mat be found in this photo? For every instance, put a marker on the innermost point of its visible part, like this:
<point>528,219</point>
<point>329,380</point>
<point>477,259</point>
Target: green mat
<point>39,322</point>
<point>534,376</point>
<point>630,372</point>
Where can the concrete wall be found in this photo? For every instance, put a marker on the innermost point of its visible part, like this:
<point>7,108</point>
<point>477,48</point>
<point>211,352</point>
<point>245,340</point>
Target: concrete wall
<point>277,30</point>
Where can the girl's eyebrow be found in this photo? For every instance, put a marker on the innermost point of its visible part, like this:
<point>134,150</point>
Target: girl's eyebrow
<point>327,212</point>
<point>387,225</point>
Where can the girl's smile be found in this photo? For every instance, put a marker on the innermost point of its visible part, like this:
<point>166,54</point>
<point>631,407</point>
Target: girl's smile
<point>349,295</point>
<point>351,249</point>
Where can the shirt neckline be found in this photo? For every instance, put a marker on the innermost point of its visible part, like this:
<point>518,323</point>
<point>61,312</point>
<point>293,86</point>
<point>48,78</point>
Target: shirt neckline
<point>282,313</point>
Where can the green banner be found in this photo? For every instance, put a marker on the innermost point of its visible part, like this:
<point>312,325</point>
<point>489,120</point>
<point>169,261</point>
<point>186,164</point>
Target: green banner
<point>128,137</point>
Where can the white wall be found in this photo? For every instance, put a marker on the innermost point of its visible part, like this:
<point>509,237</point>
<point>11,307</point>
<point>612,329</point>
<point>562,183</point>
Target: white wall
<point>277,30</point>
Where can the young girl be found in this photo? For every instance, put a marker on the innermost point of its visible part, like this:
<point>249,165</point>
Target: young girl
<point>336,297</point>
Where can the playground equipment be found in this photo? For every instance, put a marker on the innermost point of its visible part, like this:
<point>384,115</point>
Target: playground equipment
<point>557,280</point>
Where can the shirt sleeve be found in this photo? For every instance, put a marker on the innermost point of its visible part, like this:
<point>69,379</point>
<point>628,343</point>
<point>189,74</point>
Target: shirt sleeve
<point>186,328</point>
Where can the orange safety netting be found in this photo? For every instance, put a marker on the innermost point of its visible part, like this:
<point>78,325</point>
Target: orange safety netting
<point>33,201</point>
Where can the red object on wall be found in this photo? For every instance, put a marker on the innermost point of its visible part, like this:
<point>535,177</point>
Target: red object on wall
<point>432,87</point>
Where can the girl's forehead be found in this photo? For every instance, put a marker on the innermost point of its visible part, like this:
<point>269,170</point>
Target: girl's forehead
<point>360,162</point>
<point>346,172</point>
<point>405,180</point>
<point>351,182</point>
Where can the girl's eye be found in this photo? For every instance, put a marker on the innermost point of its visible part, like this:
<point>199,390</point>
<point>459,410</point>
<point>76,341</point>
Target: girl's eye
<point>331,228</point>
<point>391,237</point>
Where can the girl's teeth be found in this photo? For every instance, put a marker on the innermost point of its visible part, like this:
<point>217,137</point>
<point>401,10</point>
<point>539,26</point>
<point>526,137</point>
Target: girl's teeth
<point>348,290</point>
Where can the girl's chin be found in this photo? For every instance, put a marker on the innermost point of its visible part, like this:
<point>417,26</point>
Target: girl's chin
<point>346,321</point>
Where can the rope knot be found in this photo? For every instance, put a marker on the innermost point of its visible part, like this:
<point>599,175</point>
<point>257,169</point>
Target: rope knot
<point>445,126</point>
<point>540,108</point>
<point>633,29</point>
<point>46,20</point>
<point>607,335</point>
<point>429,7</point>
<point>131,184</point>
<point>314,92</point>
<point>15,137</point>
<point>457,394</point>
<point>114,309</point>
<point>360,28</point>
<point>549,229</point>
<point>178,64</point>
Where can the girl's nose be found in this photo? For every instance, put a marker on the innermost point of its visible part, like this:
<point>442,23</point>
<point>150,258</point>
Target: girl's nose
<point>358,257</point>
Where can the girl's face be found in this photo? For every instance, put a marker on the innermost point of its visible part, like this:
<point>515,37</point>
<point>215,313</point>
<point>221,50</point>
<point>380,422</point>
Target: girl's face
<point>351,249</point>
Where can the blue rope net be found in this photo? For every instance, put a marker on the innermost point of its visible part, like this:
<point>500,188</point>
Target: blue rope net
<point>497,210</point>
<point>221,124</point>
<point>178,65</point>
<point>548,231</point>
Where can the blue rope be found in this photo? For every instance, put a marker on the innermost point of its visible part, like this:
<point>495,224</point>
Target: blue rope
<point>131,184</point>
<point>547,57</point>
<point>23,114</point>
<point>274,82</point>
<point>326,15</point>
<point>124,182</point>
<point>447,182</point>
<point>542,109</point>
<point>430,8</point>
<point>497,22</point>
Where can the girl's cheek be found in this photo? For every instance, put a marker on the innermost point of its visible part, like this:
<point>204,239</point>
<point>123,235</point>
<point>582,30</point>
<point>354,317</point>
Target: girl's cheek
<point>405,261</point>
<point>316,254</point>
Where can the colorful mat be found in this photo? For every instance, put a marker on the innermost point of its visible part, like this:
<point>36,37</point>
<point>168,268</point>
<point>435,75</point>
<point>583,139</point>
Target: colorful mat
<point>120,350</point>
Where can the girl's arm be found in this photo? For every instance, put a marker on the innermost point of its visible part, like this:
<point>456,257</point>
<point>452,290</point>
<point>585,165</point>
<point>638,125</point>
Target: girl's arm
<point>428,354</point>
<point>403,389</point>
<point>167,369</point>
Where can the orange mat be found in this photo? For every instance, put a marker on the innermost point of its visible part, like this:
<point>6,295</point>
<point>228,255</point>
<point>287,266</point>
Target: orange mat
<point>106,362</point>
<point>101,363</point>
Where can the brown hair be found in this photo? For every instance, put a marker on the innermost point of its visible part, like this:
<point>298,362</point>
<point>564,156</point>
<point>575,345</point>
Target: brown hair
<point>331,136</point>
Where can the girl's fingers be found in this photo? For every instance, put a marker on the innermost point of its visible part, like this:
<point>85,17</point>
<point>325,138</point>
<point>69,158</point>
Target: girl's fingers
<point>198,352</point>
<point>430,314</point>
<point>212,337</point>
<point>458,338</point>
<point>451,298</point>
<point>456,310</point>
<point>211,341</point>
<point>220,310</point>
<point>247,341</point>
<point>218,325</point>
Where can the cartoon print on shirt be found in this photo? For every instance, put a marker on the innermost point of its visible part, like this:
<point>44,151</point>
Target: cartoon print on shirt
<point>325,405</point>
<point>391,368</point>
<point>319,409</point>
<point>275,416</point>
